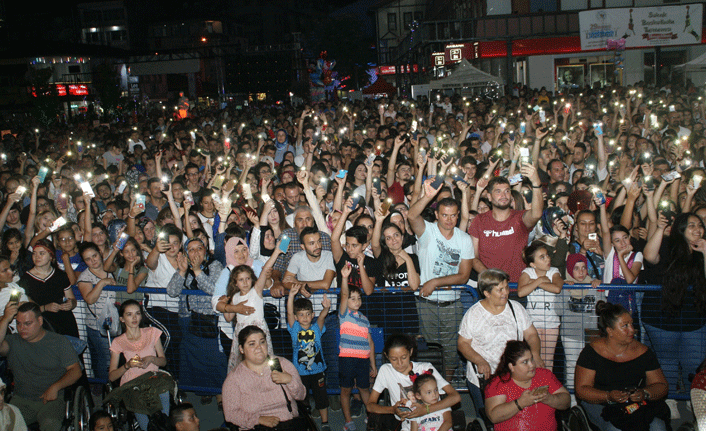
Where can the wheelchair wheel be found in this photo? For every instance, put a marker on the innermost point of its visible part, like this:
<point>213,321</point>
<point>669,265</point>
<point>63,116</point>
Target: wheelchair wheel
<point>476,425</point>
<point>81,409</point>
<point>577,420</point>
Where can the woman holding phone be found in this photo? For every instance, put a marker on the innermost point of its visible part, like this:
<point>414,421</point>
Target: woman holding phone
<point>520,393</point>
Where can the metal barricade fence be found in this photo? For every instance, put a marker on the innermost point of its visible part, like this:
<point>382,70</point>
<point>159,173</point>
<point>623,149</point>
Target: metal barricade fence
<point>566,322</point>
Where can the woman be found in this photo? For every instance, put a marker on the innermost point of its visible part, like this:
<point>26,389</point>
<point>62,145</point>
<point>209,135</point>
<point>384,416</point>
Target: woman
<point>13,247</point>
<point>91,283</point>
<point>272,220</point>
<point>488,325</point>
<point>258,394</point>
<point>67,256</point>
<point>398,376</point>
<point>51,289</point>
<point>99,237</point>
<point>202,363</point>
<point>521,394</point>
<point>584,242</point>
<point>399,270</point>
<point>615,371</point>
<point>675,317</point>
<point>142,350</point>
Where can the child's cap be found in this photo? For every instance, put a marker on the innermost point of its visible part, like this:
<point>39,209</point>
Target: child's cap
<point>572,260</point>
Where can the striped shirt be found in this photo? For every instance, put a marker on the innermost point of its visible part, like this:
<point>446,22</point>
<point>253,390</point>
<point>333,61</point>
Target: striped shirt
<point>354,335</point>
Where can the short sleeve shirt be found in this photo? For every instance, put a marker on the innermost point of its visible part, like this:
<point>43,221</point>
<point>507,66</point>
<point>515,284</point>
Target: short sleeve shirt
<point>306,345</point>
<point>306,270</point>
<point>500,243</point>
<point>489,333</point>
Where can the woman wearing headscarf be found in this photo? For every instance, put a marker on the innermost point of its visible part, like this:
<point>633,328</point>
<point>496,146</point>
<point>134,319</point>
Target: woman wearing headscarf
<point>282,145</point>
<point>203,364</point>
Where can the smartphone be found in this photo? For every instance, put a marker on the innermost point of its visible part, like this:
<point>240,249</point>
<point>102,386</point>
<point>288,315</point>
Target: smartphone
<point>525,158</point>
<point>62,201</point>
<point>649,182</point>
<point>21,190</point>
<point>274,364</point>
<point>140,201</point>
<point>370,159</point>
<point>664,209</point>
<point>511,135</point>
<point>541,390</point>
<point>356,199</point>
<point>42,174</point>
<point>496,155</point>
<point>284,245</point>
<point>188,197</point>
<point>216,198</point>
<point>15,296</point>
<point>87,189</point>
<point>523,128</point>
<point>122,241</point>
<point>593,236</point>
<point>385,205</point>
<point>599,194</point>
<point>696,181</point>
<point>598,128</point>
<point>423,153</point>
<point>404,409</point>
<point>515,179</point>
<point>542,116</point>
<point>438,181</point>
<point>669,176</point>
<point>57,224</point>
<point>342,173</point>
<point>121,187</point>
<point>247,191</point>
<point>378,185</point>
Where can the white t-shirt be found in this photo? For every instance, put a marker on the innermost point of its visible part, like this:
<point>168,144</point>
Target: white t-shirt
<point>541,305</point>
<point>432,421</point>
<point>160,277</point>
<point>439,257</point>
<point>608,270</point>
<point>489,333</point>
<point>306,270</point>
<point>399,386</point>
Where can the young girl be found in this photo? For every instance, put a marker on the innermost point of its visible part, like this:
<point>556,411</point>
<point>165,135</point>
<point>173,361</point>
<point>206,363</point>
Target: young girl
<point>541,283</point>
<point>128,266</point>
<point>396,376</point>
<point>356,347</point>
<point>245,301</point>
<point>142,349</point>
<point>622,266</point>
<point>67,256</point>
<point>426,391</point>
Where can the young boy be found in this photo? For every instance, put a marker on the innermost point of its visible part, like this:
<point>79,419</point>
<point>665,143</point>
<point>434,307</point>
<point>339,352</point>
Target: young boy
<point>306,344</point>
<point>366,270</point>
<point>356,347</point>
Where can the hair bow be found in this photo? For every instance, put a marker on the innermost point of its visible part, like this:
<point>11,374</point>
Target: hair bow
<point>413,376</point>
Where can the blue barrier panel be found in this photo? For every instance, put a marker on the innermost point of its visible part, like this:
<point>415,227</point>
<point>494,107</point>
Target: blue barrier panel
<point>565,321</point>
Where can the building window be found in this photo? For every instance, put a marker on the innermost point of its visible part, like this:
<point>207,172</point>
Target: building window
<point>391,22</point>
<point>407,20</point>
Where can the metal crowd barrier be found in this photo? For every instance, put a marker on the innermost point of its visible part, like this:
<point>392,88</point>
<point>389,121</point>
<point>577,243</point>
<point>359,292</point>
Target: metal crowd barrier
<point>391,310</point>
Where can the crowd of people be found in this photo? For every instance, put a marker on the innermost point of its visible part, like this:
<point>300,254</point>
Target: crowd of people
<point>396,202</point>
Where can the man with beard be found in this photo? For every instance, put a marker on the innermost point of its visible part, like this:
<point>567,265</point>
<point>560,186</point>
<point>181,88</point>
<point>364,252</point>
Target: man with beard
<point>500,235</point>
<point>313,265</point>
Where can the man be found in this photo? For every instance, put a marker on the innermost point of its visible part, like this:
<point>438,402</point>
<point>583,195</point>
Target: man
<point>556,169</point>
<point>192,181</point>
<point>104,195</point>
<point>398,174</point>
<point>183,418</point>
<point>312,265</point>
<point>302,218</point>
<point>156,199</point>
<point>445,259</point>
<point>674,119</point>
<point>43,364</point>
<point>504,231</point>
<point>291,197</point>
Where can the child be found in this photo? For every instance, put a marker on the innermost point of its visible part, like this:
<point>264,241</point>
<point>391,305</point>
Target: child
<point>541,283</point>
<point>579,311</point>
<point>246,291</point>
<point>426,391</point>
<point>356,347</point>
<point>366,270</point>
<point>306,344</point>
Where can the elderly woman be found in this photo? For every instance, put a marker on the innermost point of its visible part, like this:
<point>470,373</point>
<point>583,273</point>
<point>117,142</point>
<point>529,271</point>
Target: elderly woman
<point>616,371</point>
<point>488,325</point>
<point>520,393</point>
<point>261,392</point>
<point>203,364</point>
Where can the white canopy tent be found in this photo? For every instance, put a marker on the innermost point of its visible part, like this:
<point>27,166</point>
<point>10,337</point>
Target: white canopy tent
<point>468,80</point>
<point>695,70</point>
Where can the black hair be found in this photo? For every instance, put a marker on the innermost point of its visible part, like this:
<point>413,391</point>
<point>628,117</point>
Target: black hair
<point>309,230</point>
<point>246,332</point>
<point>96,416</point>
<point>30,307</point>
<point>176,414</point>
<point>529,251</point>
<point>303,304</point>
<point>399,340</point>
<point>514,349</point>
<point>420,380</point>
<point>608,314</point>
<point>360,233</point>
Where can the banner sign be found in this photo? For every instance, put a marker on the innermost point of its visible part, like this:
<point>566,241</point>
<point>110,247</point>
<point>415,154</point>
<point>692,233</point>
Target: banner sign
<point>641,27</point>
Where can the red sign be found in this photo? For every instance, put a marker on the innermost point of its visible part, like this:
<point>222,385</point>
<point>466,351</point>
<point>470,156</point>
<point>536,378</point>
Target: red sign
<point>64,90</point>
<point>78,90</point>
<point>391,70</point>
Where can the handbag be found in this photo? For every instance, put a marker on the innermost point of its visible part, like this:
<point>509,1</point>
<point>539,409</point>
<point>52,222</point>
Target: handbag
<point>635,416</point>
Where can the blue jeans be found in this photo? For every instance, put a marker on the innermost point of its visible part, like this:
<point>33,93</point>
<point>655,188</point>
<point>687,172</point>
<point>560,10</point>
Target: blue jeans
<point>100,353</point>
<point>143,419</point>
<point>476,396</point>
<point>679,353</point>
<point>593,413</point>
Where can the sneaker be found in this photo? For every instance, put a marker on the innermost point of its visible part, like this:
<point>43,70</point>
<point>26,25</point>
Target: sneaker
<point>325,427</point>
<point>356,408</point>
<point>349,426</point>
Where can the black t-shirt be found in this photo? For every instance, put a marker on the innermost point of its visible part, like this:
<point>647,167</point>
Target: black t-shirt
<point>50,290</point>
<point>372,268</point>
<point>611,375</point>
<point>401,277</point>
